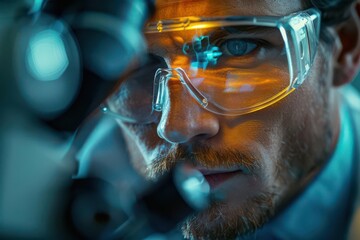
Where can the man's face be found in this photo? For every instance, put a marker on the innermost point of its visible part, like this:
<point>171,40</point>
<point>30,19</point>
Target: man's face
<point>258,161</point>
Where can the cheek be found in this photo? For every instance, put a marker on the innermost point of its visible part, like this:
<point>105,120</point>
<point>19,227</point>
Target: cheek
<point>307,125</point>
<point>143,143</point>
<point>144,134</point>
<point>262,134</point>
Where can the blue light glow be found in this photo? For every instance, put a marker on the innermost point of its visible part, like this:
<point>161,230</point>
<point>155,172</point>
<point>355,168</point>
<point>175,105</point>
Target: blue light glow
<point>47,59</point>
<point>202,52</point>
<point>192,184</point>
<point>37,5</point>
<point>197,190</point>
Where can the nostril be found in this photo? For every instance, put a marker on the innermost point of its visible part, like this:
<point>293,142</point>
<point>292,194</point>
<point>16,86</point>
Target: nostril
<point>185,133</point>
<point>202,136</point>
<point>176,136</point>
<point>173,136</point>
<point>179,124</point>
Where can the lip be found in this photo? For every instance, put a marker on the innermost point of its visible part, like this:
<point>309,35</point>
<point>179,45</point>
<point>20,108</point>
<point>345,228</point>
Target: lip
<point>215,177</point>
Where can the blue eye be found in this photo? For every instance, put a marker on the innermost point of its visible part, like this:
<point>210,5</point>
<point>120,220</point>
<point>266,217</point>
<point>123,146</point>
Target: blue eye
<point>238,47</point>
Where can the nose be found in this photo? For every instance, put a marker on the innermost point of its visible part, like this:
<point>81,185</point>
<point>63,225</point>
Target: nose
<point>183,119</point>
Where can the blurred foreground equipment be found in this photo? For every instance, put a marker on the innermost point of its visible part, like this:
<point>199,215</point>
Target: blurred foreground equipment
<point>44,77</point>
<point>65,56</point>
<point>111,201</point>
<point>59,60</point>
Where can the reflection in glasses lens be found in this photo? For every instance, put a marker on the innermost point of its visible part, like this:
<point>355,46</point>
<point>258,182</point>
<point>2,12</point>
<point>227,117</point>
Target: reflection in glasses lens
<point>230,66</point>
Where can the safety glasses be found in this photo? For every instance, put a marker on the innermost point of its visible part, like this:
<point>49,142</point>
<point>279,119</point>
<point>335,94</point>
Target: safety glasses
<point>229,65</point>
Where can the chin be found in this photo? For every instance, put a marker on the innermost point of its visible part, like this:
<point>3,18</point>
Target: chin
<point>228,221</point>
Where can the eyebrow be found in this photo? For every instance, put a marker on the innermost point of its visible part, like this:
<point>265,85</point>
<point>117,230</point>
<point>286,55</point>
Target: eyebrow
<point>247,31</point>
<point>170,2</point>
<point>270,34</point>
<point>219,33</point>
<point>250,29</point>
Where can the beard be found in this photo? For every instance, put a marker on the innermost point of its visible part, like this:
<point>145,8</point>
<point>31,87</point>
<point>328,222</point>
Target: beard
<point>300,153</point>
<point>221,220</point>
<point>224,220</point>
<point>203,156</point>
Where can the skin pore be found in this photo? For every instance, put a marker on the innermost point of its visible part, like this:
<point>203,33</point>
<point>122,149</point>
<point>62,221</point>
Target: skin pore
<point>271,154</point>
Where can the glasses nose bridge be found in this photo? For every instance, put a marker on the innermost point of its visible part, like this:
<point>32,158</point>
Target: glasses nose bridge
<point>181,118</point>
<point>161,79</point>
<point>163,76</point>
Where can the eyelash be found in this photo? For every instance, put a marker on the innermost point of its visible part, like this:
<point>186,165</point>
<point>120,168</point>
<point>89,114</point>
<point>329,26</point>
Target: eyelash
<point>244,46</point>
<point>259,44</point>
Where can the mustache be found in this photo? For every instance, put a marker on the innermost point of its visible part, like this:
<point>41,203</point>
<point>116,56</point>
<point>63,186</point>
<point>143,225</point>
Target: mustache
<point>201,155</point>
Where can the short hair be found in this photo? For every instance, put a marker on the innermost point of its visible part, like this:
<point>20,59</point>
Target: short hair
<point>333,11</point>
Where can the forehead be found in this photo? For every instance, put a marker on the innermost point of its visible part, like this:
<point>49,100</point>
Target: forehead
<point>166,9</point>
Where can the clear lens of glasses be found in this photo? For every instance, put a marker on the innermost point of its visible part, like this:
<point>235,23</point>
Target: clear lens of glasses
<point>231,66</point>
